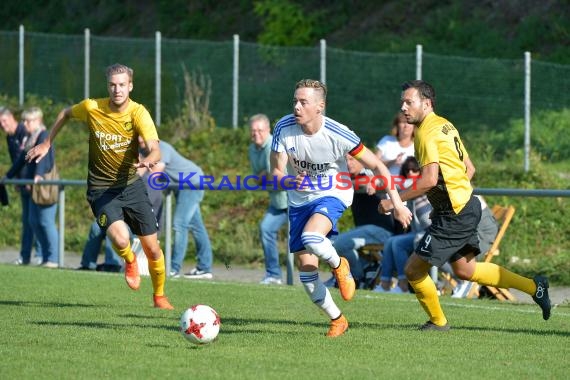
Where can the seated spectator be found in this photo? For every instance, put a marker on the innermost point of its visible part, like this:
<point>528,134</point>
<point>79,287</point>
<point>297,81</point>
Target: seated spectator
<point>398,248</point>
<point>371,227</point>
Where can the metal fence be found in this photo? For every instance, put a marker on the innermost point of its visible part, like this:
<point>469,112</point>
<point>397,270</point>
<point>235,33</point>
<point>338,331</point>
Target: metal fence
<point>248,78</point>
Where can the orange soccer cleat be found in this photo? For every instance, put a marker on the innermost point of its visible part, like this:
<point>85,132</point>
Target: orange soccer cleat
<point>161,302</point>
<point>132,274</point>
<point>344,279</point>
<point>338,327</point>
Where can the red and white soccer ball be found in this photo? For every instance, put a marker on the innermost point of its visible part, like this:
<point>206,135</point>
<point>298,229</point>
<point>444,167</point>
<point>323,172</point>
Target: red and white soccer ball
<point>200,324</point>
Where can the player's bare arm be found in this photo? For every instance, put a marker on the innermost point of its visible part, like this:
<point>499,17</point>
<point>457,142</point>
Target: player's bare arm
<point>427,180</point>
<point>470,168</point>
<point>278,163</point>
<point>153,156</point>
<point>371,161</point>
<point>39,151</point>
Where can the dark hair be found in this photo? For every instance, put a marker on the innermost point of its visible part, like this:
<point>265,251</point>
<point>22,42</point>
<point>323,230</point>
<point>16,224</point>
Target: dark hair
<point>409,162</point>
<point>425,90</point>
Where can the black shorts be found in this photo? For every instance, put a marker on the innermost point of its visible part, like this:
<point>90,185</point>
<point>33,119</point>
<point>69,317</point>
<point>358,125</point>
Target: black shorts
<point>451,235</point>
<point>130,203</point>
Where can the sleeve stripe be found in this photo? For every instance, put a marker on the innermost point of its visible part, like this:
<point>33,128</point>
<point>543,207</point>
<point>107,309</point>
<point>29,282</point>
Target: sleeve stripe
<point>285,122</point>
<point>358,150</point>
<point>344,132</point>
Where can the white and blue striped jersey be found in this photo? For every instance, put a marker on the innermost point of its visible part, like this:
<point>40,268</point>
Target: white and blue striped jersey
<point>321,156</point>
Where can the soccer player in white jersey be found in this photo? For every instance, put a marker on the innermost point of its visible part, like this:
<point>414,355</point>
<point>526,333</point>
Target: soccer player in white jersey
<point>311,149</point>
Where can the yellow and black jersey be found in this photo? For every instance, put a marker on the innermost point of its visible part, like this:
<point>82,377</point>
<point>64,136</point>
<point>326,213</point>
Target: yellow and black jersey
<point>437,141</point>
<point>113,145</point>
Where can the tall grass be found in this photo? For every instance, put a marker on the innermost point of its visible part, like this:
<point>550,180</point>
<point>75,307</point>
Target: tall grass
<point>59,324</point>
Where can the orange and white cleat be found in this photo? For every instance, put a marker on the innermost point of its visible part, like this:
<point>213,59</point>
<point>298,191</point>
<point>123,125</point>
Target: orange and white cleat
<point>132,274</point>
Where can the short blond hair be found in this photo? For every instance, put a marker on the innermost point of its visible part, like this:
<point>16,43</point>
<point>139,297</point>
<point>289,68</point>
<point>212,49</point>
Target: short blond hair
<point>318,86</point>
<point>32,113</point>
<point>260,117</point>
<point>118,68</point>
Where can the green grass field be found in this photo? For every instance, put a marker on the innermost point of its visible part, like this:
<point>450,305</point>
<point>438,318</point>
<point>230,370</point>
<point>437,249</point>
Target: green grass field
<point>83,325</point>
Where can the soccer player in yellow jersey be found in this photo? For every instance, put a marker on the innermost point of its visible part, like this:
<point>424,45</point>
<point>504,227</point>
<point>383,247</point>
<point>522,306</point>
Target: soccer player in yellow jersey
<point>116,194</point>
<point>446,171</point>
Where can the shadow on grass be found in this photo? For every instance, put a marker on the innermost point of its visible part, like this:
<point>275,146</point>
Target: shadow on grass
<point>45,304</point>
<point>146,316</point>
<point>408,326</point>
<point>525,331</point>
<point>354,325</point>
<point>243,325</point>
<point>107,325</point>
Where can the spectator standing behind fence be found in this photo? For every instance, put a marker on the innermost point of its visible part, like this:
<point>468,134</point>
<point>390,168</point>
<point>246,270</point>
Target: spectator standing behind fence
<point>16,136</point>
<point>276,214</point>
<point>398,248</point>
<point>308,153</point>
<point>117,195</point>
<point>446,170</point>
<point>371,227</point>
<point>40,216</point>
<point>394,148</point>
<point>187,216</point>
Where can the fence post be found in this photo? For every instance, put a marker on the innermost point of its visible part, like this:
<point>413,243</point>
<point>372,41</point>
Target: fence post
<point>323,61</point>
<point>168,232</point>
<point>158,83</point>
<point>235,94</point>
<point>290,257</point>
<point>87,66</point>
<point>527,80</point>
<point>419,61</point>
<point>21,65</point>
<point>61,217</point>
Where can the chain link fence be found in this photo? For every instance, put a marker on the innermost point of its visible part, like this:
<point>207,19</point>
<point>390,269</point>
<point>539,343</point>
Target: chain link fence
<point>364,87</point>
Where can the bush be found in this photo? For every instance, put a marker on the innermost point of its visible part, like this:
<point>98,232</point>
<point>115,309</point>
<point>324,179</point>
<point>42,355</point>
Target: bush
<point>547,138</point>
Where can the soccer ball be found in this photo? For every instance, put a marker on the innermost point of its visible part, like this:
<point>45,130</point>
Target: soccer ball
<point>200,324</point>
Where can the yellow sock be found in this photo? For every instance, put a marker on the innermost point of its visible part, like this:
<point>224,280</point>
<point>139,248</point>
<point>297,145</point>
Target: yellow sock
<point>426,293</point>
<point>126,253</point>
<point>157,275</point>
<point>499,277</point>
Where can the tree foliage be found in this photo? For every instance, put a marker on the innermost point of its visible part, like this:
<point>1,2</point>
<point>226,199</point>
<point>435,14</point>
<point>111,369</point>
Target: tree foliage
<point>284,23</point>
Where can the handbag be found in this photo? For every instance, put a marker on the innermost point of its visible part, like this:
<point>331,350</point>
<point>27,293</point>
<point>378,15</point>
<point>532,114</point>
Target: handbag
<point>46,195</point>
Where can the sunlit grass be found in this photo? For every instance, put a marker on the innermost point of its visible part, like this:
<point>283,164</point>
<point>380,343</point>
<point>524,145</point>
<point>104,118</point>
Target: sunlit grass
<point>68,324</point>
